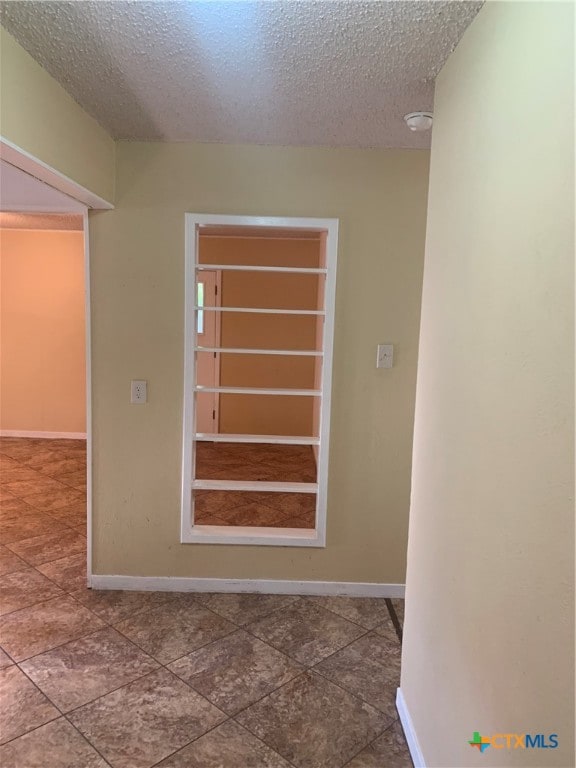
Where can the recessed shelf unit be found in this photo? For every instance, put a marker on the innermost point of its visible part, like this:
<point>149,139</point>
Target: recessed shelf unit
<point>202,350</point>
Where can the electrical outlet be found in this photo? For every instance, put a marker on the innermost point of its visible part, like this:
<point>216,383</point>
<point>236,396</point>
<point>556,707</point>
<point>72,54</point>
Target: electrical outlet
<point>385,356</point>
<point>138,391</point>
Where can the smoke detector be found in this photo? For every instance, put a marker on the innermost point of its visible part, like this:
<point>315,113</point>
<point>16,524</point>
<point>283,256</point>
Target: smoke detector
<point>419,121</point>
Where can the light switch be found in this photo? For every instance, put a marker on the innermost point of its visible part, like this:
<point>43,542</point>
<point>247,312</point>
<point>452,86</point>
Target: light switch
<point>385,356</point>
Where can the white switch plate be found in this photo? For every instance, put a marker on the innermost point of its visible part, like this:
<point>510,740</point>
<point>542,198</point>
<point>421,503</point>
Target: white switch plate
<point>138,391</point>
<point>385,356</point>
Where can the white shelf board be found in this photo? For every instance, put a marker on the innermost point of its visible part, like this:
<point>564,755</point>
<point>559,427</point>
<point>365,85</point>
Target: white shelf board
<point>287,352</point>
<point>259,391</point>
<point>254,485</point>
<point>269,439</point>
<point>255,268</point>
<point>263,311</point>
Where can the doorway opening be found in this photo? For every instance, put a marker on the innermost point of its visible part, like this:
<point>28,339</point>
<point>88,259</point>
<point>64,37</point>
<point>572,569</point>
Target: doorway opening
<point>258,364</point>
<point>44,377</point>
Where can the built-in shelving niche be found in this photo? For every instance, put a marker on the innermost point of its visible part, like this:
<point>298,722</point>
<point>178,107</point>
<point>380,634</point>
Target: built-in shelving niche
<point>258,364</point>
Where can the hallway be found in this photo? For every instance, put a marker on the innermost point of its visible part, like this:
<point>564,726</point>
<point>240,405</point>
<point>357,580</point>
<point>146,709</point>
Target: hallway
<point>142,679</point>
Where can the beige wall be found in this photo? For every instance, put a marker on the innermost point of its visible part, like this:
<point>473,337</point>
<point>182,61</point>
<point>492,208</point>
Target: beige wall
<point>266,414</point>
<point>489,633</point>
<point>39,116</point>
<point>42,354</point>
<point>138,300</point>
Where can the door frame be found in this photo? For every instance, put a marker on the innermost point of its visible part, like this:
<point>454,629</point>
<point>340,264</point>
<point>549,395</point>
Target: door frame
<point>37,168</point>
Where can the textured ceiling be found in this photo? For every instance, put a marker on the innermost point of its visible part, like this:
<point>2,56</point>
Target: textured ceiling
<point>300,72</point>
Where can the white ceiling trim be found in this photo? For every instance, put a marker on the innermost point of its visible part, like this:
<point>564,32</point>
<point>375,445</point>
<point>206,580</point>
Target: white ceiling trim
<point>77,194</point>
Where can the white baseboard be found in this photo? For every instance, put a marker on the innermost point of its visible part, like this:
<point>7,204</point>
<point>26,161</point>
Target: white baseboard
<point>409,732</point>
<point>265,586</point>
<point>45,435</point>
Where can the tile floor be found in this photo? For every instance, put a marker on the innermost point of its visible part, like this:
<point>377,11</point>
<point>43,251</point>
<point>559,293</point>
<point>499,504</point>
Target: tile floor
<point>236,461</point>
<point>140,679</point>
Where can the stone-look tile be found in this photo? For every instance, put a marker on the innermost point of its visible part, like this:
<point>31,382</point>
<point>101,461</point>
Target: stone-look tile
<point>27,525</point>
<point>254,514</point>
<point>388,631</point>
<point>76,511</point>
<point>23,588</point>
<point>313,723</point>
<point>5,660</point>
<point>66,445</point>
<point>85,669</point>
<point>74,480</point>
<point>61,466</point>
<point>366,611</point>
<point>47,502</point>
<point>41,484</point>
<point>40,455</point>
<point>174,629</point>
<point>370,669</point>
<point>18,448</point>
<point>73,521</point>
<point>56,745</point>
<point>235,671</point>
<point>306,632</point>
<point>49,546</point>
<point>389,750</point>
<point>114,606</point>
<point>145,721</point>
<point>227,746</point>
<point>68,572</point>
<point>398,605</point>
<point>5,495</point>
<point>22,706</point>
<point>244,608</point>
<point>17,474</point>
<point>9,562</point>
<point>14,508</point>
<point>81,529</point>
<point>44,626</point>
<point>207,518</point>
<point>305,521</point>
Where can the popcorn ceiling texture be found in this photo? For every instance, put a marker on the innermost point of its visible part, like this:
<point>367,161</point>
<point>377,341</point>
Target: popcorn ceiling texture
<point>286,72</point>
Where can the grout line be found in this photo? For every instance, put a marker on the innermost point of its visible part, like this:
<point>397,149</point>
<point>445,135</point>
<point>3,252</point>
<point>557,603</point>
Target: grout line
<point>367,746</point>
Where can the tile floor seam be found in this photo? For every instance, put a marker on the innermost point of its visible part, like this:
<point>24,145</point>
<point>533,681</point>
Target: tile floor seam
<point>57,708</point>
<point>31,538</point>
<point>351,693</point>
<point>263,616</point>
<point>309,666</point>
<point>371,743</point>
<point>304,672</point>
<point>340,616</point>
<point>265,696</point>
<point>142,677</point>
<point>172,661</point>
<point>32,605</point>
<point>65,590</point>
<point>70,640</point>
<point>257,701</point>
<point>87,741</point>
<point>185,746</point>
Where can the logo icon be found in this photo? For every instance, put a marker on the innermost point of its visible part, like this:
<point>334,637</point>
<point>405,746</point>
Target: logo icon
<point>480,742</point>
